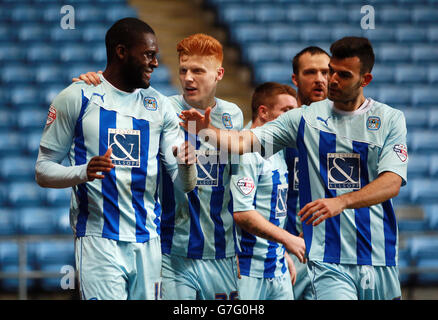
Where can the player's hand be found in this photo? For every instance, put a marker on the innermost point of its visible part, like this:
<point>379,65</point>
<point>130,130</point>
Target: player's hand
<point>238,268</point>
<point>194,121</point>
<point>297,246</point>
<point>185,153</point>
<point>90,78</point>
<point>291,267</point>
<point>99,164</point>
<point>321,209</point>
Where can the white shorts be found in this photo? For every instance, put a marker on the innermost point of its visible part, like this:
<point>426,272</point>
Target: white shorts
<point>118,270</point>
<point>278,288</point>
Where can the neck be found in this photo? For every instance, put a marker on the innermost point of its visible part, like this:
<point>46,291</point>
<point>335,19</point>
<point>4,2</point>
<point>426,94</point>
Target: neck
<point>257,122</point>
<point>115,76</point>
<point>351,105</point>
<point>203,105</point>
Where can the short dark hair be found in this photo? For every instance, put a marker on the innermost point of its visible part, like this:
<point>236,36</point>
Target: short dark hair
<point>265,93</point>
<point>360,47</point>
<point>312,50</point>
<point>127,32</point>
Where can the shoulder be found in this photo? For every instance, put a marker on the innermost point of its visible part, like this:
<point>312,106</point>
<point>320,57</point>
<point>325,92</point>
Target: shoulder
<point>231,114</point>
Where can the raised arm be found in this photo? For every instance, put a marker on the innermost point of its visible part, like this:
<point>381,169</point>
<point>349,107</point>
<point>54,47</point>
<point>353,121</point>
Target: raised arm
<point>236,142</point>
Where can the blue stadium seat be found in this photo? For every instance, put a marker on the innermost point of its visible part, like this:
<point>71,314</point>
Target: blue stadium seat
<point>35,33</point>
<point>424,53</point>
<point>24,96</point>
<point>161,74</point>
<point>332,14</point>
<point>432,33</point>
<point>36,220</point>
<point>6,33</point>
<point>431,212</point>
<point>343,30</point>
<point>316,33</point>
<point>424,191</point>
<point>394,15</point>
<point>10,143</point>
<point>433,118</point>
<point>8,120</point>
<point>424,251</point>
<point>283,33</point>
<point>410,34</point>
<point>261,52</point>
<point>62,220</point>
<point>302,14</point>
<point>7,223</point>
<point>54,251</point>
<point>424,96</point>
<point>14,74</point>
<point>382,74</point>
<point>166,89</point>
<point>25,194</point>
<point>433,171</point>
<point>403,197</point>
<point>424,141</point>
<point>49,73</point>
<point>12,284</point>
<point>75,53</point>
<point>278,72</point>
<point>392,53</point>
<point>38,53</point>
<point>433,74</point>
<point>416,118</point>
<point>269,14</point>
<point>15,168</point>
<point>23,14</point>
<point>48,92</point>
<point>425,15</point>
<point>116,12</point>
<point>30,143</point>
<point>95,33</point>
<point>396,95</point>
<point>289,50</point>
<point>76,70</point>
<point>410,74</point>
<point>58,197</point>
<point>90,14</point>
<point>67,36</point>
<point>235,13</point>
<point>243,33</point>
<point>8,253</point>
<point>419,165</point>
<point>31,119</point>
<point>382,34</point>
<point>11,52</point>
<point>98,54</point>
<point>404,261</point>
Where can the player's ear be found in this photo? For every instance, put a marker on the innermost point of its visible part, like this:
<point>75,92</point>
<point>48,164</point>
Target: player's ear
<point>294,80</point>
<point>220,73</point>
<point>366,79</point>
<point>262,112</point>
<point>121,51</point>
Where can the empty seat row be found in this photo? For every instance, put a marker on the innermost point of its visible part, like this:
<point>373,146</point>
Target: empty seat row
<point>420,191</point>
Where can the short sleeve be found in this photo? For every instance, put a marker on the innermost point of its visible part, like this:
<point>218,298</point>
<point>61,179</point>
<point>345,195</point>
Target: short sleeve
<point>61,119</point>
<point>394,154</point>
<point>244,183</point>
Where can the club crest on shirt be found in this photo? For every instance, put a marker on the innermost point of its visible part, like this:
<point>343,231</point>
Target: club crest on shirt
<point>207,163</point>
<point>343,171</point>
<point>401,151</point>
<point>125,144</point>
<point>51,116</point>
<point>245,185</point>
<point>150,103</point>
<point>373,123</point>
<point>226,120</point>
<point>281,208</point>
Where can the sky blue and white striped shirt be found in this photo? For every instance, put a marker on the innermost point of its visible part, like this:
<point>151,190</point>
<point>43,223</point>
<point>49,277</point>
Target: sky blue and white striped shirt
<point>141,129</point>
<point>341,152</point>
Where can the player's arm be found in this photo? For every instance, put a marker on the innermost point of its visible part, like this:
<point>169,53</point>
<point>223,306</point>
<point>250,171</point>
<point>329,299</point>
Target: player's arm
<point>254,223</point>
<point>386,186</point>
<point>187,173</point>
<point>235,142</point>
<point>50,173</point>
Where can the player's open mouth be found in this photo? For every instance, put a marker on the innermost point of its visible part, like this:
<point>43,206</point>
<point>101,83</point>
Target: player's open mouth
<point>318,90</point>
<point>191,89</point>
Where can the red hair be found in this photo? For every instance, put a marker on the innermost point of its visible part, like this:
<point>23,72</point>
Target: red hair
<point>202,45</point>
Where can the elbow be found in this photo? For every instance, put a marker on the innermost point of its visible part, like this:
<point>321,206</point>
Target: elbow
<point>238,218</point>
<point>39,179</point>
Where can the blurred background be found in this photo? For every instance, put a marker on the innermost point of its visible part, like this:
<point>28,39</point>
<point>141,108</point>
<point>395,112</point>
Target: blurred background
<point>38,58</point>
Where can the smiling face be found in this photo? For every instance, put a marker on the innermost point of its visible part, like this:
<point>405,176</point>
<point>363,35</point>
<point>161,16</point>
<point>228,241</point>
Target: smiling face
<point>311,79</point>
<point>283,103</point>
<point>140,61</point>
<point>199,76</point>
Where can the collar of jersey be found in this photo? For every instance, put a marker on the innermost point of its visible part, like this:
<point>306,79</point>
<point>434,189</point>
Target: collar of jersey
<point>364,107</point>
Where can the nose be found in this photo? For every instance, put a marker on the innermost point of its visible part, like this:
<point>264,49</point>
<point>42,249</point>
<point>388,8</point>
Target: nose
<point>154,63</point>
<point>188,76</point>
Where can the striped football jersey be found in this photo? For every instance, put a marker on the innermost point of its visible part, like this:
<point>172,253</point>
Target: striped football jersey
<point>293,222</point>
<point>261,185</point>
<point>341,152</point>
<point>137,126</point>
<point>199,224</point>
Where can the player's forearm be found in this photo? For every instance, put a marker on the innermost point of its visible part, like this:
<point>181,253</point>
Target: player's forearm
<point>234,141</point>
<point>50,174</point>
<point>187,177</point>
<point>254,223</point>
<point>385,187</point>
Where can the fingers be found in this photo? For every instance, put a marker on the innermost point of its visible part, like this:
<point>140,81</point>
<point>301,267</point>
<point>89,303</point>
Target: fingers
<point>185,153</point>
<point>101,164</point>
<point>90,78</point>
<point>108,153</point>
